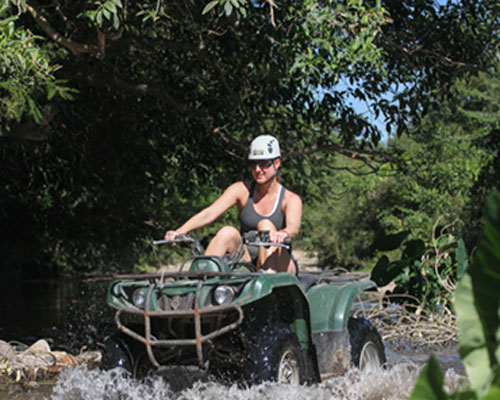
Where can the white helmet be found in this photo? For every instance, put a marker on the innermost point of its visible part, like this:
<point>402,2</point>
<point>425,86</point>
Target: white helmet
<point>264,147</point>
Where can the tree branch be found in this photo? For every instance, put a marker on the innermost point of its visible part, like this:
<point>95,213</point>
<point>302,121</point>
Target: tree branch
<point>148,90</point>
<point>366,157</point>
<point>74,47</point>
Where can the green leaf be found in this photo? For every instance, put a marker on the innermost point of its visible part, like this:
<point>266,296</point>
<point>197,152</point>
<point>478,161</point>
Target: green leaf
<point>22,61</point>
<point>472,345</point>
<point>414,248</point>
<point>390,242</point>
<point>462,261</point>
<point>209,6</point>
<point>429,385</point>
<point>110,6</point>
<point>477,303</point>
<point>99,18</point>
<point>51,92</point>
<point>107,14</point>
<point>494,392</point>
<point>116,21</point>
<point>228,8</point>
<point>384,271</point>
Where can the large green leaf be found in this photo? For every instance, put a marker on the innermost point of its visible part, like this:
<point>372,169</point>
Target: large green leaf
<point>414,249</point>
<point>494,392</point>
<point>429,384</point>
<point>462,261</point>
<point>390,242</point>
<point>385,271</point>
<point>472,337</point>
<point>477,304</point>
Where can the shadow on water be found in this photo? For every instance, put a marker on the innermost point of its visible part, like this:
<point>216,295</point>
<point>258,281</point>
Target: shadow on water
<point>71,313</point>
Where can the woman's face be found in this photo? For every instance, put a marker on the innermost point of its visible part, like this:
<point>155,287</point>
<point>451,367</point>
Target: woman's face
<point>263,170</point>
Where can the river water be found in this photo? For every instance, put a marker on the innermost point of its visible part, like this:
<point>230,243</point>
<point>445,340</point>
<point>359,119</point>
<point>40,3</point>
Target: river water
<point>74,315</point>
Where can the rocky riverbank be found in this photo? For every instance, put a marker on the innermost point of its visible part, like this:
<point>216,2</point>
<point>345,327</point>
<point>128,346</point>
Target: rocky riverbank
<point>28,364</point>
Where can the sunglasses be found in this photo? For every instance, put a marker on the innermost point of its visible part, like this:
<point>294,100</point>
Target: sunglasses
<point>263,164</point>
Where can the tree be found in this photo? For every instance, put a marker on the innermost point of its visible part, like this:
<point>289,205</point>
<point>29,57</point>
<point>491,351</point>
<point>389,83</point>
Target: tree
<point>167,95</point>
<point>240,66</point>
<point>448,163</point>
<point>26,79</point>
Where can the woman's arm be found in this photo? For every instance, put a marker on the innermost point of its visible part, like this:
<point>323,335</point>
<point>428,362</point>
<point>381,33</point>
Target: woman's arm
<point>209,214</point>
<point>293,214</point>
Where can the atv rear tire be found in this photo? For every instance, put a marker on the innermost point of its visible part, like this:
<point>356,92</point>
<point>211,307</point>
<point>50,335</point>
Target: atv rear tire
<point>367,349</point>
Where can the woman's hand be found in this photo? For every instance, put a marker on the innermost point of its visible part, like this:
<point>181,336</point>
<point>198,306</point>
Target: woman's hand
<point>279,236</point>
<point>171,235</point>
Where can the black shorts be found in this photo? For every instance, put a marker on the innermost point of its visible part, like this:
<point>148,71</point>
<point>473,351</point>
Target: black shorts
<point>254,254</point>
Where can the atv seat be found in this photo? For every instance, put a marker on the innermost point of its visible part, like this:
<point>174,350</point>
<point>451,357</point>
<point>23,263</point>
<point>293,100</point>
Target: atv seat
<point>307,281</point>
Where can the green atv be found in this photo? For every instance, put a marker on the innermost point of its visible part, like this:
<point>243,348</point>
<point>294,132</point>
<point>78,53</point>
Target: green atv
<point>222,318</point>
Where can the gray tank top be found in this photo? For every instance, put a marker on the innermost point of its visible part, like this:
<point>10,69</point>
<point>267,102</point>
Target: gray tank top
<point>249,218</point>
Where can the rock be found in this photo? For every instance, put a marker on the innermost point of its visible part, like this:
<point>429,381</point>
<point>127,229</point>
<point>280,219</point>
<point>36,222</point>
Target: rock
<point>90,358</point>
<point>40,346</point>
<point>63,358</point>
<point>6,351</point>
<point>33,360</point>
<point>36,356</point>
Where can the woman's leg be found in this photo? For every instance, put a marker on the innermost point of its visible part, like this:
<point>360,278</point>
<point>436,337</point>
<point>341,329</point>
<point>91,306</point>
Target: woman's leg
<point>226,240</point>
<point>274,259</point>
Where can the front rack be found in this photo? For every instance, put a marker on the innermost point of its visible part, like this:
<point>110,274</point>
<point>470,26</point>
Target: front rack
<point>196,314</point>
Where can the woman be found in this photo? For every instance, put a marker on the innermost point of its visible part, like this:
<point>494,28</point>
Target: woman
<point>263,204</point>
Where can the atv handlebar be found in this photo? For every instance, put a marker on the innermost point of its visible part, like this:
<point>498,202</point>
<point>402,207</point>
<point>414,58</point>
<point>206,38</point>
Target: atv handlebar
<point>261,238</point>
<point>250,238</point>
<point>183,239</point>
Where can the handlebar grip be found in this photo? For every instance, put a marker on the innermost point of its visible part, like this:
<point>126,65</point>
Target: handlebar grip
<point>287,241</point>
<point>182,238</point>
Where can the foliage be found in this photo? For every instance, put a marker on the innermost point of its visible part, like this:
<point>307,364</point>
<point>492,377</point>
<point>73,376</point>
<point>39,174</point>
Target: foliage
<point>342,223</point>
<point>424,275</point>
<point>169,94</point>
<point>445,166</point>
<point>26,75</point>
<point>478,110</point>
<point>476,303</point>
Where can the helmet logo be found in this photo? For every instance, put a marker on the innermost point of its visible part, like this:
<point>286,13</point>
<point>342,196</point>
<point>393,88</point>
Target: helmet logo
<point>270,146</point>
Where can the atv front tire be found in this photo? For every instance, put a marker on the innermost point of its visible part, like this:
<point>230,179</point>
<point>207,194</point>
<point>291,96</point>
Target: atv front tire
<point>122,351</point>
<point>275,355</point>
<point>117,354</point>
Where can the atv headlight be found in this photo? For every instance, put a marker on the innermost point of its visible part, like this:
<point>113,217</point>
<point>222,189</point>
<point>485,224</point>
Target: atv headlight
<point>139,297</point>
<point>223,295</point>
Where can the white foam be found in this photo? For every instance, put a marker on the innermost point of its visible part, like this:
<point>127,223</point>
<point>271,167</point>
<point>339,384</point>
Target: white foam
<point>391,384</point>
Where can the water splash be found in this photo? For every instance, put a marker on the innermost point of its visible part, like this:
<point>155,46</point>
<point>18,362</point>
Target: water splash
<point>392,384</point>
<point>81,384</point>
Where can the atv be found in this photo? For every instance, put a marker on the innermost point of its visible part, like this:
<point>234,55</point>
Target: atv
<point>220,317</point>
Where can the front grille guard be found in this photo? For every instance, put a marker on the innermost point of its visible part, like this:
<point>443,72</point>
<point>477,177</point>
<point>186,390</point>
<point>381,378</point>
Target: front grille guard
<point>150,341</point>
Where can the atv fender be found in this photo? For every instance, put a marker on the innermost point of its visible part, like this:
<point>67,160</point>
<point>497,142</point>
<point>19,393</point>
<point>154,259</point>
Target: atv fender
<point>330,307</point>
<point>331,304</point>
